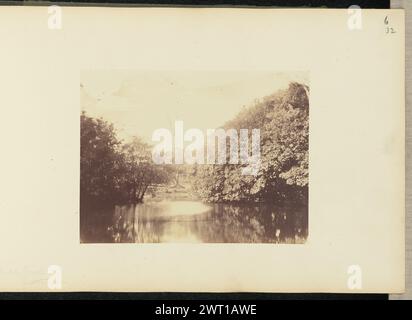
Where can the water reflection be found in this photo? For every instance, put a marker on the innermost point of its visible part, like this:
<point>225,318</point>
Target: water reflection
<point>196,222</point>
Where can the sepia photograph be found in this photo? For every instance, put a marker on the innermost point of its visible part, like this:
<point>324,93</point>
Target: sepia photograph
<point>196,157</point>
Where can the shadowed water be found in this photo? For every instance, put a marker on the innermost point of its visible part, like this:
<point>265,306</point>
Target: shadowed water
<point>196,222</point>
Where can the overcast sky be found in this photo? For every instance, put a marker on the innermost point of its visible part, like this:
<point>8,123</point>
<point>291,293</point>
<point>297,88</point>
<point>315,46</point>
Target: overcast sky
<point>139,102</point>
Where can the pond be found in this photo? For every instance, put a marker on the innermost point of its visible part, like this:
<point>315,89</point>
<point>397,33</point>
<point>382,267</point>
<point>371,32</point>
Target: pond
<point>171,221</point>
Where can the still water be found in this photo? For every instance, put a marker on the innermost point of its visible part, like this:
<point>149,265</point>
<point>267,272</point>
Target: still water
<point>196,222</point>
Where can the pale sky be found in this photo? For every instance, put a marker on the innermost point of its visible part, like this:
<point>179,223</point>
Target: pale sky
<point>139,102</point>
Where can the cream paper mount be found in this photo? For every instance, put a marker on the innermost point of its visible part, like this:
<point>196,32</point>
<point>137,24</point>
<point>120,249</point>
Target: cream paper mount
<point>95,96</point>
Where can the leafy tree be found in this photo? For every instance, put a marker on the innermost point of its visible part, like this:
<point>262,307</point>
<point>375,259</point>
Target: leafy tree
<point>140,169</point>
<point>112,172</point>
<point>283,119</point>
<point>99,161</point>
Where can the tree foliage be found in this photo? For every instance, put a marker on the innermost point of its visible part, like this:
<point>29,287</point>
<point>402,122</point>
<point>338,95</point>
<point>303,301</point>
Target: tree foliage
<point>112,172</point>
<point>283,120</point>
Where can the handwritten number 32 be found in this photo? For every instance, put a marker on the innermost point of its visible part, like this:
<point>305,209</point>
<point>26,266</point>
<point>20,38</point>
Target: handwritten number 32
<point>388,29</point>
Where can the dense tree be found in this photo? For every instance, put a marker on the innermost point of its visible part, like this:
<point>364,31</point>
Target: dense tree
<point>113,172</point>
<point>99,161</point>
<point>283,120</point>
<point>140,169</point>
